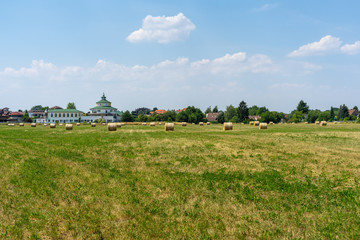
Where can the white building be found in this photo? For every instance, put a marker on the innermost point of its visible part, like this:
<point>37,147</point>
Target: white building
<point>63,116</point>
<point>102,110</point>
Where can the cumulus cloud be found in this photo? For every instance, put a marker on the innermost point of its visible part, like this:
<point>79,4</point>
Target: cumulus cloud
<point>327,44</point>
<point>163,29</point>
<point>351,49</point>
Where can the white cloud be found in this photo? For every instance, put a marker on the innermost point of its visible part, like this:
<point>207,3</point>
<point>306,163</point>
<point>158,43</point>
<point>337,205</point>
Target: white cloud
<point>163,29</point>
<point>326,45</point>
<point>351,49</point>
<point>266,7</point>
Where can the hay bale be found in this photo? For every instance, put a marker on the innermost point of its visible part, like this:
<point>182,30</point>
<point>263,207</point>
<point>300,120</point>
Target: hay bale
<point>256,123</point>
<point>111,127</point>
<point>122,124</point>
<point>228,126</point>
<point>271,123</point>
<point>152,124</point>
<point>201,124</point>
<point>11,124</point>
<point>169,127</point>
<point>61,124</point>
<point>263,126</point>
<point>160,123</point>
<point>93,124</point>
<point>118,125</point>
<point>78,124</point>
<point>21,124</point>
<point>33,125</point>
<point>104,124</point>
<point>144,124</point>
<point>317,122</point>
<point>306,123</point>
<point>323,123</point>
<point>45,124</point>
<point>251,123</point>
<point>68,126</point>
<point>52,125</point>
<point>208,123</point>
<point>183,124</point>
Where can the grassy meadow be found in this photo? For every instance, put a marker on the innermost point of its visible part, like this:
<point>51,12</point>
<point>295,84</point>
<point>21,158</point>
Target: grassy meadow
<point>291,181</point>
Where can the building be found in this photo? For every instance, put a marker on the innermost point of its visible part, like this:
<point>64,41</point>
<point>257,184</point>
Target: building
<point>104,110</point>
<point>4,114</point>
<point>16,117</point>
<point>212,117</point>
<point>36,113</point>
<point>354,112</point>
<point>159,111</point>
<point>254,117</point>
<point>63,116</point>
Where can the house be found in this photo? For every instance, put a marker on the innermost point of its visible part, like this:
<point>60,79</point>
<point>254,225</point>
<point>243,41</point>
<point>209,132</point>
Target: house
<point>254,117</point>
<point>354,112</point>
<point>159,111</point>
<point>16,117</point>
<point>4,114</point>
<point>212,117</point>
<point>56,107</point>
<point>104,110</point>
<point>36,113</point>
<point>63,116</point>
<point>180,110</point>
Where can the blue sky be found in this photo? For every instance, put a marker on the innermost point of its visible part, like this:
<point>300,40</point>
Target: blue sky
<point>171,54</point>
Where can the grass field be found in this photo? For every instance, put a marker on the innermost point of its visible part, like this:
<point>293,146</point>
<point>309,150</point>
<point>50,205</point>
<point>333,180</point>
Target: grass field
<point>292,181</point>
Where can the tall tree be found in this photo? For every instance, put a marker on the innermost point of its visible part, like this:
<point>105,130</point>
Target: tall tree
<point>71,105</point>
<point>302,107</point>
<point>243,111</point>
<point>230,113</point>
<point>356,108</point>
<point>127,117</point>
<point>332,114</point>
<point>208,110</point>
<point>221,117</point>
<point>343,111</point>
<point>37,107</point>
<point>215,109</point>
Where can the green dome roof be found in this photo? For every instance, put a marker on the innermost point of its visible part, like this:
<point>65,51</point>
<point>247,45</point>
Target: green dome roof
<point>103,99</point>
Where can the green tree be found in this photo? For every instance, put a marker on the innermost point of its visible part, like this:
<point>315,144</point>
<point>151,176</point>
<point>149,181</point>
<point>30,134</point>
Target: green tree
<point>208,110</point>
<point>229,113</point>
<point>313,116</point>
<point>332,114</point>
<point>343,112</point>
<point>127,117</point>
<point>36,107</point>
<point>71,105</point>
<point>26,116</point>
<point>215,109</point>
<point>356,108</point>
<point>221,117</point>
<point>143,118</point>
<point>297,116</point>
<point>242,112</point>
<point>302,107</point>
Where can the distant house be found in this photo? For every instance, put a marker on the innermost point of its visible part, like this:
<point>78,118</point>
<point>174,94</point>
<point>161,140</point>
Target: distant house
<point>159,111</point>
<point>56,107</point>
<point>254,117</point>
<point>180,110</point>
<point>36,113</point>
<point>16,117</point>
<point>354,112</point>
<point>4,114</point>
<point>212,117</point>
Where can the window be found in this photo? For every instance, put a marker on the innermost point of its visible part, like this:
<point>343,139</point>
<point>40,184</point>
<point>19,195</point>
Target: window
<point>71,115</point>
<point>51,115</point>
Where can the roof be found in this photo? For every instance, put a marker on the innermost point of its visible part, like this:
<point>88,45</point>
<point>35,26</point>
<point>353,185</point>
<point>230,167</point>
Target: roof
<point>16,114</point>
<point>180,110</point>
<point>103,99</point>
<point>63,110</point>
<point>55,107</point>
<point>159,111</point>
<point>36,111</point>
<point>353,112</point>
<point>103,107</point>
<point>212,116</point>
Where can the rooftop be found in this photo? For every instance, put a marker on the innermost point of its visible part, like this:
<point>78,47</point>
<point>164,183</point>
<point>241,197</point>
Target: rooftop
<point>63,110</point>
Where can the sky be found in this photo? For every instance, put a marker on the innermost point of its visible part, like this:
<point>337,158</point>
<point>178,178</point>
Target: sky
<point>172,54</point>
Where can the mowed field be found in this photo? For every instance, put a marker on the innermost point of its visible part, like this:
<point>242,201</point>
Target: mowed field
<point>291,181</point>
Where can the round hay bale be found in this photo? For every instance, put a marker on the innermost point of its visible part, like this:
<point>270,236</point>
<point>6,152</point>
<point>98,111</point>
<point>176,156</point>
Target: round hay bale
<point>45,124</point>
<point>152,124</point>
<point>21,124</point>
<point>78,124</point>
<point>251,123</point>
<point>33,125</point>
<point>169,127</point>
<point>122,124</point>
<point>228,126</point>
<point>118,125</point>
<point>208,123</point>
<point>201,124</point>
<point>323,123</point>
<point>306,123</point>
<point>160,123</point>
<point>11,124</point>
<point>271,123</point>
<point>93,124</point>
<point>68,126</point>
<point>193,123</point>
<point>52,125</point>
<point>144,124</point>
<point>317,122</point>
<point>104,124</point>
<point>61,124</point>
<point>256,123</point>
<point>263,126</point>
<point>183,124</point>
<point>111,126</point>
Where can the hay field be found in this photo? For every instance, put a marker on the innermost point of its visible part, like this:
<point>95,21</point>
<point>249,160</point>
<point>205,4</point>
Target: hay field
<point>291,181</point>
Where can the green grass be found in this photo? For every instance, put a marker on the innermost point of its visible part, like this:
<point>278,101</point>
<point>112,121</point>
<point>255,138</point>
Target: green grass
<point>140,182</point>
